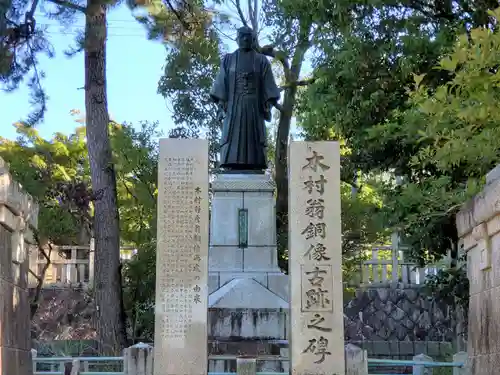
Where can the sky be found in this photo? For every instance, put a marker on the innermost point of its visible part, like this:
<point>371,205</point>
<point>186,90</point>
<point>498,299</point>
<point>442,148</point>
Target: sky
<point>134,66</point>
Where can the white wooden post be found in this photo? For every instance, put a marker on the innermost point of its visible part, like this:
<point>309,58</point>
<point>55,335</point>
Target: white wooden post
<point>75,367</point>
<point>395,253</point>
<point>246,366</point>
<point>376,279</point>
<point>34,354</point>
<point>284,352</point>
<point>73,271</point>
<point>365,273</point>
<point>138,360</point>
<point>460,357</point>
<point>421,369</point>
<point>91,261</point>
<point>356,360</point>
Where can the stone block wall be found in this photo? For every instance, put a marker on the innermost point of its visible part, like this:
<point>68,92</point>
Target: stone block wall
<point>18,213</point>
<point>478,226</point>
<point>390,314</point>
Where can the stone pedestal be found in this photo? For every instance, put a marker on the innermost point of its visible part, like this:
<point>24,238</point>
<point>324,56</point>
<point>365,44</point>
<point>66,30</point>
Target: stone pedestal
<point>18,214</point>
<point>248,302</point>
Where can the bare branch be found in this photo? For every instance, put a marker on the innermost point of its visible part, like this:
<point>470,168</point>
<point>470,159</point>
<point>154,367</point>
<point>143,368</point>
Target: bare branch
<point>69,5</point>
<point>302,82</point>
<point>35,302</point>
<point>268,50</point>
<point>240,13</point>
<point>220,31</point>
<point>31,13</point>
<point>256,17</point>
<point>252,13</point>
<point>140,179</point>
<point>129,192</point>
<point>38,278</point>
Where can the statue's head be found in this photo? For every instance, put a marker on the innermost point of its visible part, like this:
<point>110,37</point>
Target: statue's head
<point>246,38</point>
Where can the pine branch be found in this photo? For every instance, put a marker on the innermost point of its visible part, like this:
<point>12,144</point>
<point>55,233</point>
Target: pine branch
<point>69,5</point>
<point>177,15</point>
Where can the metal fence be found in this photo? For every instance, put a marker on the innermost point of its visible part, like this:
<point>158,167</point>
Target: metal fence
<point>115,365</point>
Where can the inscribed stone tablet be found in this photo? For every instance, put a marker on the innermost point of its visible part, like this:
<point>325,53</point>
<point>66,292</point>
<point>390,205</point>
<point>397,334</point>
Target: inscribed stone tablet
<point>182,258</point>
<point>317,332</point>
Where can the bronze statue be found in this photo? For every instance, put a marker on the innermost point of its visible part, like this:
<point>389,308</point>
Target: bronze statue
<point>245,91</point>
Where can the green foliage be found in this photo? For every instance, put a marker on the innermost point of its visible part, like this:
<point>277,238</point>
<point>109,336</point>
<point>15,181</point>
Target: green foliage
<point>457,124</point>
<point>47,168</point>
<point>453,129</point>
<point>43,167</point>
<point>424,212</point>
<point>135,156</point>
<point>450,286</point>
<point>360,228</point>
<point>139,292</point>
<point>384,87</point>
<point>363,76</point>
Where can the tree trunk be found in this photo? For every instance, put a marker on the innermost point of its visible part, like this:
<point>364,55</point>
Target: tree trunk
<point>281,175</point>
<point>282,136</point>
<point>108,280</point>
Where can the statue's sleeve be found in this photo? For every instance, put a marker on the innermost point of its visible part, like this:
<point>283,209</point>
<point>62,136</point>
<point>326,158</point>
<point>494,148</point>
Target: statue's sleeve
<point>218,93</point>
<point>271,90</point>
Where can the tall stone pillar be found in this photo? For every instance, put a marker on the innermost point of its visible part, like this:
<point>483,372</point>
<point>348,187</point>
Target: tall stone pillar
<point>182,258</point>
<point>18,215</point>
<point>478,226</point>
<point>315,259</point>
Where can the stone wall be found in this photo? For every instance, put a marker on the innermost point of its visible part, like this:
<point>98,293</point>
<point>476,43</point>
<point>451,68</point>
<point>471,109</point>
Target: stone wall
<point>478,226</point>
<point>399,323</point>
<point>392,314</point>
<point>18,213</point>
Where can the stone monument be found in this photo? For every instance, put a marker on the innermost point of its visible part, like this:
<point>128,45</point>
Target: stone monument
<point>182,258</point>
<point>315,259</point>
<point>248,302</point>
<point>18,217</point>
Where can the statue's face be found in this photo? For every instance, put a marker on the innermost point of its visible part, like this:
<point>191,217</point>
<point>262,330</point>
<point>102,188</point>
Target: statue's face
<point>245,40</point>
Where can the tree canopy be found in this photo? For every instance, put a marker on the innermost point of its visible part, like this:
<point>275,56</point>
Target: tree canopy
<point>385,85</point>
<point>56,173</point>
<point>52,171</point>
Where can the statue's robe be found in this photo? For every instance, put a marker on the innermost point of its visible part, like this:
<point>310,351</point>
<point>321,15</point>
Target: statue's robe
<point>246,84</point>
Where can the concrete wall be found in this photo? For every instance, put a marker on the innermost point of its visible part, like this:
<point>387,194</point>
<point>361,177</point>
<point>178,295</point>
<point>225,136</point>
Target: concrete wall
<point>478,225</point>
<point>18,213</point>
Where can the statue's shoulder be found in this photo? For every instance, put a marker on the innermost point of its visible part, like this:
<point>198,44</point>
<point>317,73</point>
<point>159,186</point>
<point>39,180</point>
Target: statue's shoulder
<point>227,57</point>
<point>262,58</point>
